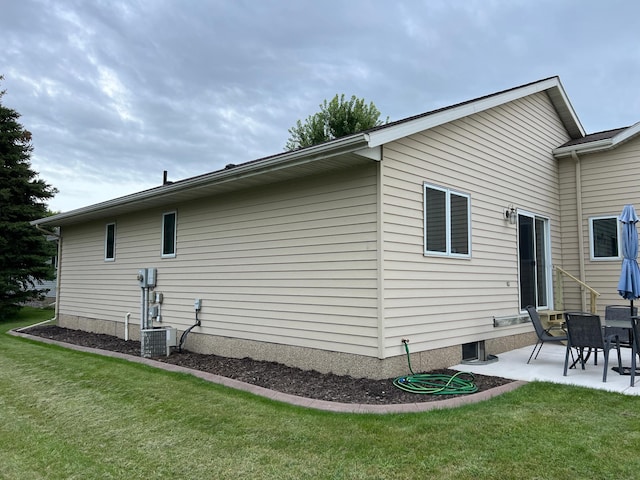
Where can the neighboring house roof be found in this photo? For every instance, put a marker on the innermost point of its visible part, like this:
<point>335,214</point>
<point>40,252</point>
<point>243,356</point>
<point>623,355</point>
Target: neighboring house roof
<point>362,147</point>
<point>598,142</point>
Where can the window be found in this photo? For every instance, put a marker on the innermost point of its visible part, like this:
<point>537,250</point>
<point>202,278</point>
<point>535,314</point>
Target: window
<point>604,238</point>
<point>169,234</point>
<point>110,242</point>
<point>447,222</point>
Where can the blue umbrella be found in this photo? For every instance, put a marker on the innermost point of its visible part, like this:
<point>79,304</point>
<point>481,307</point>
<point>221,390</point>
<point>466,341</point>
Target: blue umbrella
<point>629,284</point>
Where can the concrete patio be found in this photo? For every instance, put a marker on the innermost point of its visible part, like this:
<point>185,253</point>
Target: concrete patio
<point>549,365</point>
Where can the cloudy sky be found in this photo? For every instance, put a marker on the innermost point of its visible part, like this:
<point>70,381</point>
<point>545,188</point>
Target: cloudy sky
<point>115,92</point>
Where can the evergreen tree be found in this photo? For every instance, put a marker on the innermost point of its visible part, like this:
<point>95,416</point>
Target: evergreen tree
<point>25,253</point>
<point>336,118</point>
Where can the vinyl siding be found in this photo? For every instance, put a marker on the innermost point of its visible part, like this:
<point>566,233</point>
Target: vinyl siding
<point>572,296</point>
<point>609,181</point>
<point>335,261</point>
<point>500,157</point>
<point>292,263</point>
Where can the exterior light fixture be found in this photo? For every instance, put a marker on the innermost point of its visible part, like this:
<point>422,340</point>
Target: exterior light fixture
<point>510,215</point>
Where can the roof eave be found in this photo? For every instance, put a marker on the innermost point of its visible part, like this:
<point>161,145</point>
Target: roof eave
<point>591,147</point>
<point>352,143</point>
<point>599,145</point>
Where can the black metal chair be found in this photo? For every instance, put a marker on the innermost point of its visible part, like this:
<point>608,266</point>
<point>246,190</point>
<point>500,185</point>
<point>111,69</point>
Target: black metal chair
<point>584,331</point>
<point>544,335</point>
<point>620,312</point>
<point>635,328</point>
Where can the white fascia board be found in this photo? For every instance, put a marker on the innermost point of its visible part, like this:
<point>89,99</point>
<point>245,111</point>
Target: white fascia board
<point>568,115</point>
<point>390,134</point>
<point>588,147</point>
<point>599,145</point>
<point>296,157</point>
<point>627,134</point>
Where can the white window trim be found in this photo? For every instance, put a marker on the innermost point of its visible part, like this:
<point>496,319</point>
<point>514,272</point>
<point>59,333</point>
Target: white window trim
<point>592,255</point>
<point>106,241</point>
<point>175,235</point>
<point>448,192</point>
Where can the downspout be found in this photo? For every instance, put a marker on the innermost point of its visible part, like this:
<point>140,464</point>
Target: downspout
<point>58,277</point>
<point>59,255</point>
<point>35,324</point>
<point>581,275</point>
<point>380,260</point>
<point>55,314</point>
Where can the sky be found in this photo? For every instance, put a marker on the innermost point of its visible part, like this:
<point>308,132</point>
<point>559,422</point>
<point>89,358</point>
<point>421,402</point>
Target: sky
<point>115,92</point>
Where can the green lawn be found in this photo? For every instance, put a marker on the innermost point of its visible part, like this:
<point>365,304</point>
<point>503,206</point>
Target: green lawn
<point>71,415</point>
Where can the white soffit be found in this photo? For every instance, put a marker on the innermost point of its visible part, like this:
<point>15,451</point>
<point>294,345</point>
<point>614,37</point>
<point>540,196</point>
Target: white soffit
<point>374,153</point>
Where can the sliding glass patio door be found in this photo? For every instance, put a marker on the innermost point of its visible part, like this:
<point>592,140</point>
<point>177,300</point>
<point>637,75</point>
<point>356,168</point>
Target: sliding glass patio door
<point>534,259</point>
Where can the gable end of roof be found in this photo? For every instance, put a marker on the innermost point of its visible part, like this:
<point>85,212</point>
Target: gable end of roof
<point>409,126</point>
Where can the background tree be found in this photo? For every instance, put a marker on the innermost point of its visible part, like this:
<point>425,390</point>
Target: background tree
<point>336,118</point>
<point>25,254</point>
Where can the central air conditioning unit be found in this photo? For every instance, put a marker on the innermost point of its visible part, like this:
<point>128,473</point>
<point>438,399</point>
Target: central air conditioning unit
<point>156,342</point>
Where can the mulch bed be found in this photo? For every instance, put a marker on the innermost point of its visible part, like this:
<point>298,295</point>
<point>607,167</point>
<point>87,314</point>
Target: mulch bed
<point>272,375</point>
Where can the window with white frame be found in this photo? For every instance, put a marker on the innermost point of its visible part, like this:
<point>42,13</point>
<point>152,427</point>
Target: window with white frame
<point>447,222</point>
<point>169,231</point>
<point>604,238</point>
<point>110,242</point>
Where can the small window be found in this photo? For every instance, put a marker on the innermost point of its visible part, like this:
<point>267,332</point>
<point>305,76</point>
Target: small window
<point>604,238</point>
<point>447,222</point>
<point>169,234</point>
<point>110,242</point>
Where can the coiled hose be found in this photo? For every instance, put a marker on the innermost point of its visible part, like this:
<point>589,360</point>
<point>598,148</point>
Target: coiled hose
<point>435,383</point>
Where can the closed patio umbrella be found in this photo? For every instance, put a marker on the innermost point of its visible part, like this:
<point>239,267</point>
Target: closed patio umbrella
<point>629,284</point>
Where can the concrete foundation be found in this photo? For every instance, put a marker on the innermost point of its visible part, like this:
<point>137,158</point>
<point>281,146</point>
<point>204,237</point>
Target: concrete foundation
<point>323,361</point>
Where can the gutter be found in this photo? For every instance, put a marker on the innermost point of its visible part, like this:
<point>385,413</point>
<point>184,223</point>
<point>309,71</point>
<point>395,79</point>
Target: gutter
<point>598,145</point>
<point>229,174</point>
<point>44,230</point>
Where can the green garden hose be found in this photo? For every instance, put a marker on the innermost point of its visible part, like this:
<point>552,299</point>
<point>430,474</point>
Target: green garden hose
<point>435,383</point>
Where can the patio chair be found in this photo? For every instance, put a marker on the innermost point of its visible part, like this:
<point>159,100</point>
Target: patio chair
<point>620,312</point>
<point>544,335</point>
<point>584,331</point>
<point>635,327</point>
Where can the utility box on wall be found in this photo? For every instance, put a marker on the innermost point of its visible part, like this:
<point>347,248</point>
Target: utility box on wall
<point>147,277</point>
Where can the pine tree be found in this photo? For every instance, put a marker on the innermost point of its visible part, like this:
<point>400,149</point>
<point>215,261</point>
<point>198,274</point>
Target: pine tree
<point>25,253</point>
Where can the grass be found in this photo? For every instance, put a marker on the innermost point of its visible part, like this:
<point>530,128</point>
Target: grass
<point>72,415</point>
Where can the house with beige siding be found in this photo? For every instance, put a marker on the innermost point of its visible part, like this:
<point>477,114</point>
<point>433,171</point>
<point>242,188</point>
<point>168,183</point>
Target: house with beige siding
<point>438,229</point>
<point>599,174</point>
